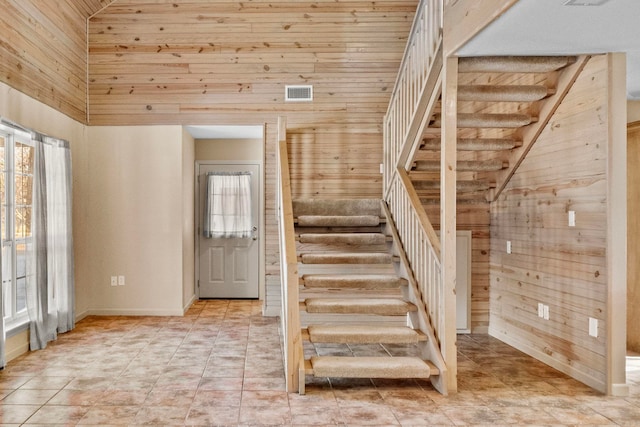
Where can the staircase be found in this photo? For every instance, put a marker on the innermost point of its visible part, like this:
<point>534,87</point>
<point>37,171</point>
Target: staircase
<point>355,308</point>
<point>503,105</point>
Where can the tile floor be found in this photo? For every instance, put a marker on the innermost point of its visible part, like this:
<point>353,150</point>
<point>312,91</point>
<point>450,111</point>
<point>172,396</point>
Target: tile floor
<point>221,365</point>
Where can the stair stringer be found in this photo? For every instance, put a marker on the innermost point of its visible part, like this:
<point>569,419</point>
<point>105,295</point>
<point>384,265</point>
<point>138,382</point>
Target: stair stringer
<point>419,319</point>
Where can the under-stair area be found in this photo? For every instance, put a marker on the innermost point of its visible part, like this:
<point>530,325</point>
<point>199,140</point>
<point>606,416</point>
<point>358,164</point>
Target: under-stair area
<point>355,311</point>
<point>503,103</point>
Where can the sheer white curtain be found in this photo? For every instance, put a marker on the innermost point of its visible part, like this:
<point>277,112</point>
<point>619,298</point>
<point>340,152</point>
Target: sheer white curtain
<point>228,205</point>
<point>50,283</point>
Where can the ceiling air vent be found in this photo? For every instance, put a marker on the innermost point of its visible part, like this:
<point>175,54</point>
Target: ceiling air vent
<point>298,93</point>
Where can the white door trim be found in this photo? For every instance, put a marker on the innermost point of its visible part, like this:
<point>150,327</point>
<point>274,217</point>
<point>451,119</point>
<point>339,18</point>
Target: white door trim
<point>261,222</point>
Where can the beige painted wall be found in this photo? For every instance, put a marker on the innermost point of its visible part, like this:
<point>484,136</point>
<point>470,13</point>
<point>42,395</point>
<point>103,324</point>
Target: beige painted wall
<point>133,212</point>
<point>633,111</point>
<point>188,219</point>
<point>229,149</point>
<point>135,191</point>
<point>33,114</point>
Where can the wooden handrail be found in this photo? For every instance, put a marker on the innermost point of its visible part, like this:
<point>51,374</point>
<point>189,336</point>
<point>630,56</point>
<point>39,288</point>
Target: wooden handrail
<point>292,335</point>
<point>415,82</point>
<point>414,200</point>
<point>416,93</point>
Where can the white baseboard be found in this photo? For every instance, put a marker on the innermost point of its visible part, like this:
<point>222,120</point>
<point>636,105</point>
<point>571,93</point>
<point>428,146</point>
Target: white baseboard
<point>554,363</point>
<point>134,312</point>
<point>17,345</point>
<point>80,316</point>
<point>620,390</point>
<point>189,304</point>
<point>270,311</point>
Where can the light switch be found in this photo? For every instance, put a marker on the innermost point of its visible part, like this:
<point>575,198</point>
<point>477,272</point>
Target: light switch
<point>540,309</point>
<point>572,218</point>
<point>114,280</point>
<point>593,327</point>
<point>546,312</point>
<point>120,280</point>
<point>508,246</point>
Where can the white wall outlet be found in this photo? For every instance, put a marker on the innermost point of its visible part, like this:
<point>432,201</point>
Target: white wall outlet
<point>120,280</point>
<point>572,218</point>
<point>508,246</point>
<point>540,309</point>
<point>545,312</point>
<point>114,280</point>
<point>381,167</point>
<point>593,327</point>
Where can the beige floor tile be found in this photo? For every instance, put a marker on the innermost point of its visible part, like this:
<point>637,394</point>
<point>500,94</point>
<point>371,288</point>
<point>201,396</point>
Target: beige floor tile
<point>162,415</point>
<point>29,397</point>
<point>16,414</point>
<point>265,415</point>
<point>53,414</point>
<point>77,397</point>
<point>213,415</point>
<point>114,415</point>
<point>368,415</point>
<point>221,365</point>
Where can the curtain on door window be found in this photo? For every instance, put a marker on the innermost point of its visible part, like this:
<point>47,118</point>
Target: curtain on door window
<point>50,285</point>
<point>228,205</point>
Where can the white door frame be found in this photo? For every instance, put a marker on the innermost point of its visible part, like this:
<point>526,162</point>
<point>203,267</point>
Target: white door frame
<point>261,235</point>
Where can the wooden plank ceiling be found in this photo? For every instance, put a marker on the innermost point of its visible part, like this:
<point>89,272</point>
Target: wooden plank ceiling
<point>223,61</point>
<point>90,7</point>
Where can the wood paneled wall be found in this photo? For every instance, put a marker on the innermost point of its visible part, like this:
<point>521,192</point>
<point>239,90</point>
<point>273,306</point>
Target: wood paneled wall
<point>551,263</point>
<point>221,61</point>
<point>43,52</point>
<point>633,237</point>
<point>335,165</point>
<point>227,62</point>
<point>475,218</point>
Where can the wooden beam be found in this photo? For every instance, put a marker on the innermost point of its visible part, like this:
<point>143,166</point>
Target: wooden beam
<point>463,19</point>
<point>617,227</point>
<point>448,216</point>
<point>294,359</point>
<point>633,236</point>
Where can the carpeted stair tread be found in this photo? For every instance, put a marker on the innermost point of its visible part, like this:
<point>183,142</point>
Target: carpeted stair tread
<point>489,120</point>
<point>513,64</point>
<point>369,367</point>
<point>338,220</point>
<point>470,185</point>
<point>343,238</point>
<point>353,281</point>
<point>341,207</point>
<point>347,258</point>
<point>472,144</point>
<point>502,93</point>
<point>463,165</point>
<point>377,306</point>
<point>355,334</point>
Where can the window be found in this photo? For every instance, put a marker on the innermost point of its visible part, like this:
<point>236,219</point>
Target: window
<point>16,190</point>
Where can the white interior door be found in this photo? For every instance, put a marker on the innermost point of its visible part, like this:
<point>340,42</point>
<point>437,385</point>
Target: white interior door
<point>228,267</point>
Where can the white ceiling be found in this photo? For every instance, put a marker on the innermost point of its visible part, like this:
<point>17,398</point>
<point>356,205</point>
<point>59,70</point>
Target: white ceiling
<point>549,27</point>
